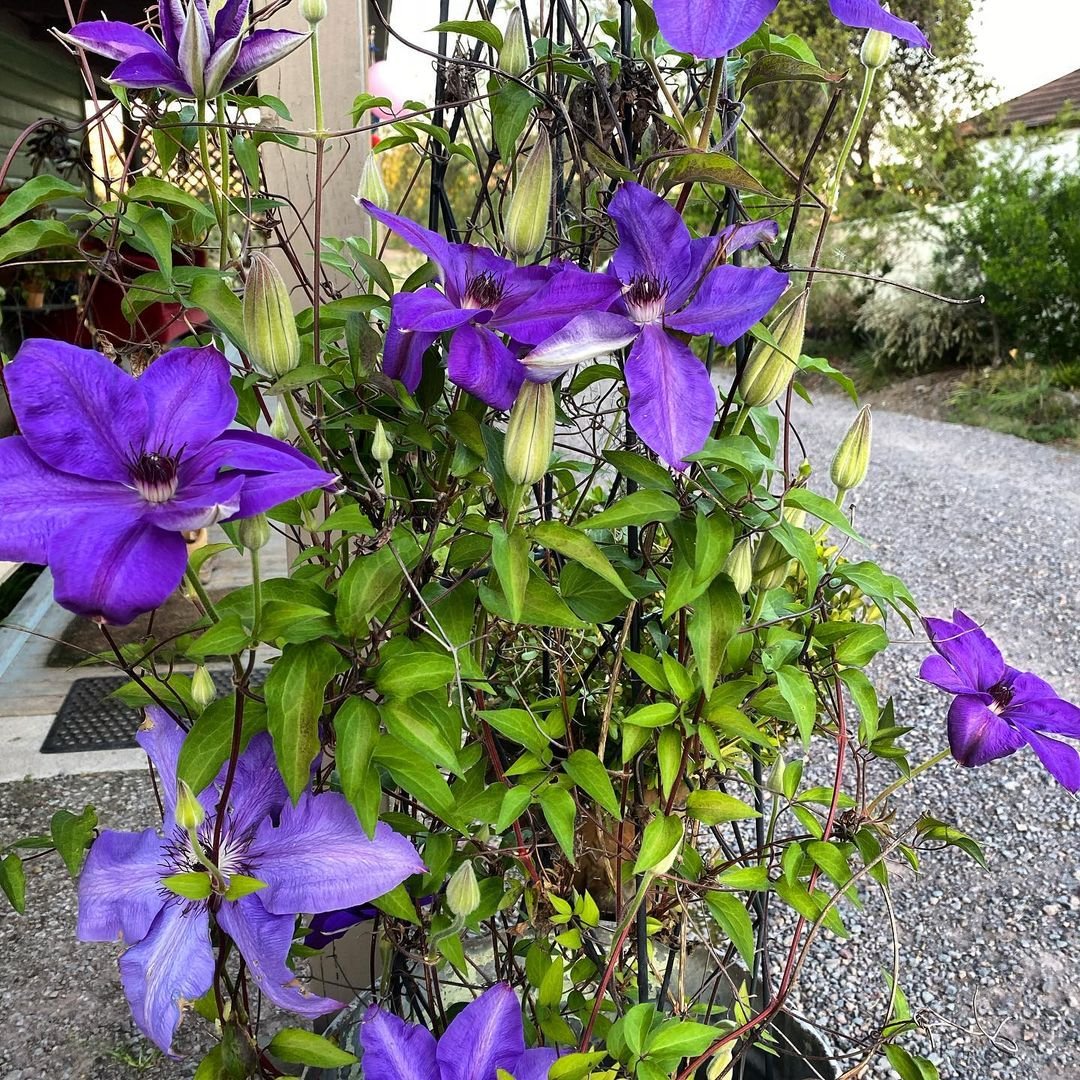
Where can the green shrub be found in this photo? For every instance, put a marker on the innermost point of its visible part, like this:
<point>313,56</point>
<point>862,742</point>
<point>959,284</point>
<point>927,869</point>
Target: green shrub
<point>1025,400</point>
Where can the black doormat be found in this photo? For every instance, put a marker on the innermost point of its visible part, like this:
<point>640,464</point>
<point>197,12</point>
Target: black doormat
<point>91,719</point>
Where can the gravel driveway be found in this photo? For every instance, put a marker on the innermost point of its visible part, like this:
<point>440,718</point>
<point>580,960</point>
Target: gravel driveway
<point>969,518</point>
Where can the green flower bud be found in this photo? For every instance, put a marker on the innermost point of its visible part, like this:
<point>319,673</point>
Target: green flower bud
<point>314,11</point>
<point>772,562</point>
<point>279,426</point>
<point>876,48</point>
<point>526,225</point>
<point>253,532</point>
<point>739,565</point>
<point>463,891</point>
<point>203,690</point>
<point>372,185</point>
<point>769,369</point>
<point>514,54</point>
<point>775,780</point>
<point>852,457</point>
<point>382,449</point>
<point>273,344</point>
<point>530,433</point>
<point>189,811</point>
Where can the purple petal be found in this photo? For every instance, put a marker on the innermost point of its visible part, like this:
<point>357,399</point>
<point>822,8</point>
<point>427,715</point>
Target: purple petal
<point>329,926</point>
<point>171,19</point>
<point>1026,687</point>
<point>146,70</point>
<point>120,887</point>
<point>261,49</point>
<point>107,567</point>
<point>977,734</point>
<point>731,300</point>
<point>428,311</point>
<point>435,247</point>
<point>1060,760</point>
<point>116,40</point>
<point>262,493</point>
<point>1045,714</point>
<point>36,500</point>
<point>938,671</point>
<point>468,262</point>
<point>193,52</point>
<point>748,234</point>
<point>485,1036</point>
<point>172,964</point>
<point>189,398</point>
<point>395,1050</point>
<point>672,399</point>
<point>403,350</point>
<point>264,941</point>
<point>258,792</point>
<point>974,657</point>
<point>710,28</point>
<point>231,20</point>
<point>480,363</point>
<point>870,15</point>
<point>534,1064</point>
<point>198,506</point>
<point>78,412</point>
<point>161,737</point>
<point>653,239</point>
<point>319,858</point>
<point>567,294</point>
<point>593,334</point>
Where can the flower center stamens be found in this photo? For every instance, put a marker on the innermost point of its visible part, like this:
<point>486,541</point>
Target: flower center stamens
<point>155,476</point>
<point>483,291</point>
<point>1002,695</point>
<point>646,298</point>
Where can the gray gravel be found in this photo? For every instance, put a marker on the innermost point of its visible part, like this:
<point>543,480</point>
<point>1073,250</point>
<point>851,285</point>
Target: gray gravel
<point>968,518</point>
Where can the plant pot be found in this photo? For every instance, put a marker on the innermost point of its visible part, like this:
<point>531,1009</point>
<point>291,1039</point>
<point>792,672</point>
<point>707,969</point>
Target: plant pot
<point>35,299</point>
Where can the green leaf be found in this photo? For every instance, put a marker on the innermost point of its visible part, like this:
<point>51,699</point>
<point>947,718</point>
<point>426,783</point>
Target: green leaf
<point>831,860</point>
<point>648,670</point>
<point>560,811</point>
<point>745,878</point>
<point>406,674</point>
<point>575,545</point>
<point>30,236</point>
<point>13,882</point>
<point>211,292</point>
<point>149,189</point>
<point>652,716</point>
<point>641,470</point>
<point>730,912</point>
<point>661,837</point>
<point>589,596</point>
<point>646,21</point>
<point>192,885</point>
<point>669,752</point>
<point>398,905</point>
<point>511,106</point>
<point>153,233</point>
<point>716,807</point>
<point>700,167</point>
<point>240,885</point>
<point>823,509</point>
<point>426,725</point>
<point>543,606</point>
<point>909,1067</point>
<point>418,777</point>
<point>520,727</point>
<point>797,689</point>
<point>71,836</point>
<point>484,31</point>
<point>778,67</point>
<point>510,555</point>
<point>356,727</point>
<point>859,647</point>
<point>306,1048</point>
<point>588,772</point>
<point>35,192</point>
<point>207,745</point>
<point>681,1038</point>
<point>932,829</point>
<point>295,692</point>
<point>372,582</point>
<point>718,614</point>
<point>638,508</point>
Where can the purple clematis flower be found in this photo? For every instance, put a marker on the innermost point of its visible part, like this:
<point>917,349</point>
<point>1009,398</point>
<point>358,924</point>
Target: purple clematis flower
<point>486,1036</point>
<point>711,28</point>
<point>310,857</point>
<point>666,288</point>
<point>482,297</point>
<point>196,57</point>
<point>998,709</point>
<point>109,470</point>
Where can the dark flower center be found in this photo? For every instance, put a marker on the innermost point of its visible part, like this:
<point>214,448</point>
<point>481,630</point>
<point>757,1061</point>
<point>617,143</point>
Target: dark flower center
<point>483,290</point>
<point>1002,694</point>
<point>646,298</point>
<point>155,476</point>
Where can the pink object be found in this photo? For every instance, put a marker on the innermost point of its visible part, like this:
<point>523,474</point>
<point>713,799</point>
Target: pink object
<point>385,80</point>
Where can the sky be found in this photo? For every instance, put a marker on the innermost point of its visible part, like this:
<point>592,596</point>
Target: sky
<point>1016,52</point>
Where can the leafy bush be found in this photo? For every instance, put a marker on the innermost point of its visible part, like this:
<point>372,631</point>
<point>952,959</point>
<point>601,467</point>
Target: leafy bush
<point>1025,401</point>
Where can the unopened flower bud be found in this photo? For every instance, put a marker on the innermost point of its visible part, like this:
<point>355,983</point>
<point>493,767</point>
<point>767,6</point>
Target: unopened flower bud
<point>279,425</point>
<point>382,449</point>
<point>771,560</point>
<point>203,690</point>
<point>769,369</point>
<point>463,890</point>
<point>253,532</point>
<point>514,54</point>
<point>775,780</point>
<point>852,457</point>
<point>876,49</point>
<point>372,185</point>
<point>314,11</point>
<point>530,433</point>
<point>189,811</point>
<point>739,566</point>
<point>273,344</point>
<point>526,224</point>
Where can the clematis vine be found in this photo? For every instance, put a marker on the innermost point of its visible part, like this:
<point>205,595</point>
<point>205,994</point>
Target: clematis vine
<point>668,286</point>
<point>313,856</point>
<point>711,28</point>
<point>998,709</point>
<point>482,297</point>
<point>486,1037</point>
<point>196,57</point>
<point>109,470</point>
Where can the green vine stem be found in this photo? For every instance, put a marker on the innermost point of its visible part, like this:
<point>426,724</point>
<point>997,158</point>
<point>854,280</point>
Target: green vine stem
<point>869,74</point>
